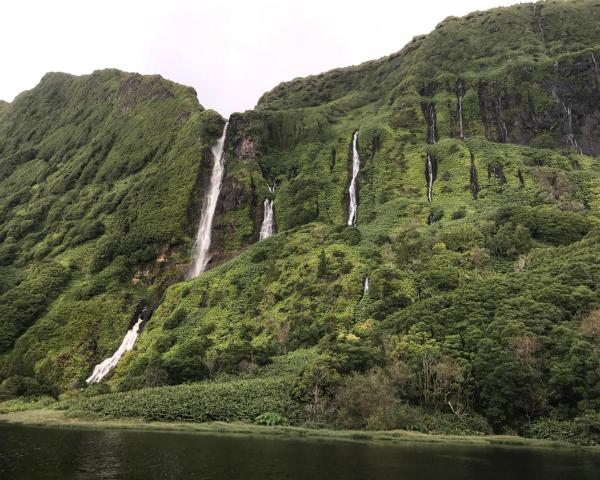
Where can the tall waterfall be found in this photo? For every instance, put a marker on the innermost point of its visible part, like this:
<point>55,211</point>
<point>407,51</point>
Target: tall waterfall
<point>266,230</point>
<point>432,129</point>
<point>202,244</point>
<point>103,368</point>
<point>352,190</point>
<point>429,178</point>
<point>571,136</point>
<point>366,286</point>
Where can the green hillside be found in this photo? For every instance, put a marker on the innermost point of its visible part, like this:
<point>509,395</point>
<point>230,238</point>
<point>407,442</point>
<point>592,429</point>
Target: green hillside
<point>483,307</point>
<point>90,228</point>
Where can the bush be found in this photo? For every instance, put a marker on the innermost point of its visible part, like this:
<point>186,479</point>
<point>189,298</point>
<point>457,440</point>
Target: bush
<point>271,419</point>
<point>458,214</point>
<point>233,400</point>
<point>177,318</point>
<point>18,386</point>
<point>583,430</point>
<point>365,400</point>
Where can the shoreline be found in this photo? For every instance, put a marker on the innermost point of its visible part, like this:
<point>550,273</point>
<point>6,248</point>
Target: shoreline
<point>60,419</point>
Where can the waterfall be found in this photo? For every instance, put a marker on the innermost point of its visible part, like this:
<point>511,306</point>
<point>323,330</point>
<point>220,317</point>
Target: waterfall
<point>429,178</point>
<point>103,368</point>
<point>570,136</point>
<point>202,244</point>
<point>501,129</point>
<point>352,189</point>
<point>366,286</point>
<point>432,116</point>
<point>266,230</point>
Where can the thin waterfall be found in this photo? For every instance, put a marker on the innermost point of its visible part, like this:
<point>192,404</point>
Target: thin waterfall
<point>202,244</point>
<point>366,286</point>
<point>266,230</point>
<point>429,178</point>
<point>432,116</point>
<point>570,136</point>
<point>352,190</point>
<point>500,122</point>
<point>429,162</point>
<point>103,368</point>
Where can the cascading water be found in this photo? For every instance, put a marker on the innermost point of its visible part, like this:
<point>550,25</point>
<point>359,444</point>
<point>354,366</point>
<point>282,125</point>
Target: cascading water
<point>501,130</point>
<point>429,164</point>
<point>352,190</point>
<point>202,245</point>
<point>266,230</point>
<point>429,178</point>
<point>103,368</point>
<point>432,129</point>
<point>366,286</point>
<point>570,136</point>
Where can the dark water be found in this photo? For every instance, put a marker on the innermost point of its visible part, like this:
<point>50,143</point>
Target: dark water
<point>53,453</point>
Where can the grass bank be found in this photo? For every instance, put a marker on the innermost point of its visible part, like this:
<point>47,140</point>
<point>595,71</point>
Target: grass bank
<point>62,419</point>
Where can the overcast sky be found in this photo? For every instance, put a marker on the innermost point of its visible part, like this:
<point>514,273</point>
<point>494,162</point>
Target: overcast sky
<point>230,51</point>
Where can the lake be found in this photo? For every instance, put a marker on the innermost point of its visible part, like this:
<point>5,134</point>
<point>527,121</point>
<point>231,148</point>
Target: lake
<point>64,453</point>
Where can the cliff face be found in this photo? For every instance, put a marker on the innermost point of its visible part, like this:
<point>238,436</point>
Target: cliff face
<point>478,198</point>
<point>523,75</point>
<point>100,177</point>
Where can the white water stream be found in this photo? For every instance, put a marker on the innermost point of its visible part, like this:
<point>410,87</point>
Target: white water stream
<point>202,244</point>
<point>352,190</point>
<point>267,227</point>
<point>103,368</point>
<point>429,178</point>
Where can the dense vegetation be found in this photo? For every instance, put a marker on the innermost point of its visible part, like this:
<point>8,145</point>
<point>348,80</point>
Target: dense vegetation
<point>87,219</point>
<point>483,307</point>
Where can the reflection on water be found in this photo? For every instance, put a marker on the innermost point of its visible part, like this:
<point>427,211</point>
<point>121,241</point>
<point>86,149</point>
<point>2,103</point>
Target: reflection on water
<point>52,453</point>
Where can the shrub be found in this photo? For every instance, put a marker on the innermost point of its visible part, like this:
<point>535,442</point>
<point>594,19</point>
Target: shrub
<point>271,419</point>
<point>177,318</point>
<point>19,386</point>
<point>365,398</point>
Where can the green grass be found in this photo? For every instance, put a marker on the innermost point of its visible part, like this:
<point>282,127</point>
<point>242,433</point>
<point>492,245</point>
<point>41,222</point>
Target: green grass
<point>54,418</point>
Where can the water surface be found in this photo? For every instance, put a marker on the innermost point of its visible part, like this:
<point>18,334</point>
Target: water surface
<point>64,453</point>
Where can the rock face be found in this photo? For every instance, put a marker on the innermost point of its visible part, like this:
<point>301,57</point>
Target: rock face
<point>512,76</point>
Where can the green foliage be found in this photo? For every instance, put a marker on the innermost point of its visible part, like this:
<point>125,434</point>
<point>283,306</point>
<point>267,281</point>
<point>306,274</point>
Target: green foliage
<point>583,430</point>
<point>480,304</point>
<point>202,402</point>
<point>271,419</point>
<point>84,208</point>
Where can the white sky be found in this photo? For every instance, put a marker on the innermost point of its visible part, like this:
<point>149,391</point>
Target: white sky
<point>230,51</point>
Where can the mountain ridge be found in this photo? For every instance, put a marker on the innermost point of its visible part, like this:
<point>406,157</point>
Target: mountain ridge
<point>478,196</point>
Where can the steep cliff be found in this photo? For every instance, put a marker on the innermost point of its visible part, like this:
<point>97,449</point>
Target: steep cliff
<point>100,178</point>
<point>477,227</point>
